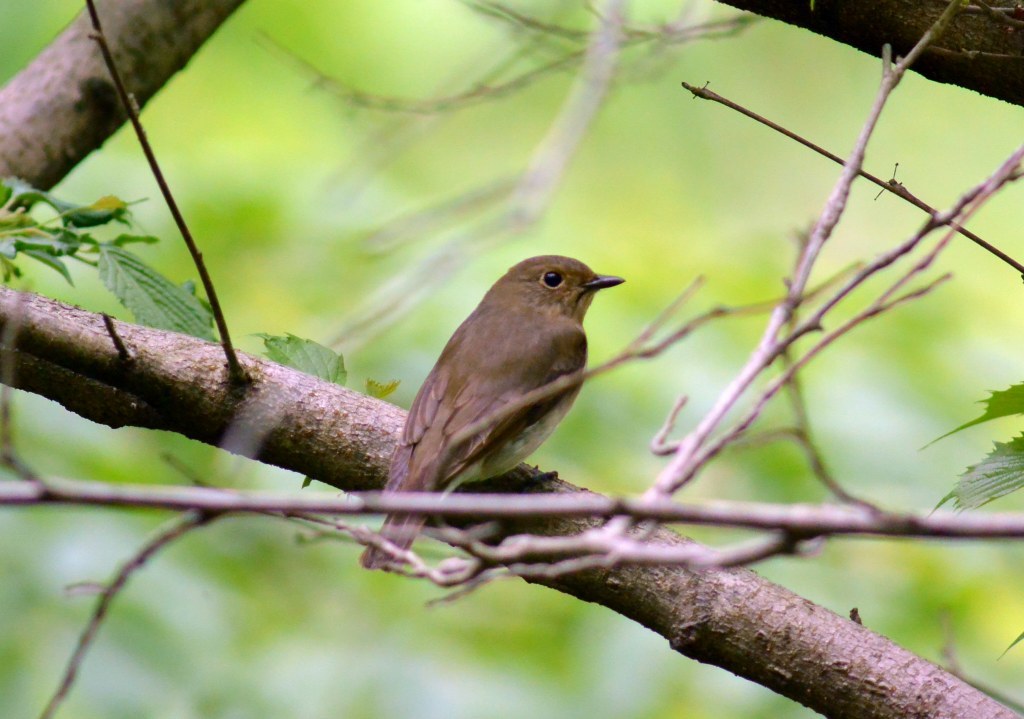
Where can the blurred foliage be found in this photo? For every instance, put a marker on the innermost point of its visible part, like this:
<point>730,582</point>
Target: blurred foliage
<point>286,184</point>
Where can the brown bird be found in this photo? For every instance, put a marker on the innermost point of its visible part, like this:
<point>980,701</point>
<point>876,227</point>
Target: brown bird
<point>526,332</point>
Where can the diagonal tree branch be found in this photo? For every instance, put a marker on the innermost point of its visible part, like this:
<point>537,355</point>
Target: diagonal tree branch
<point>63,105</point>
<point>179,527</point>
<point>977,52</point>
<point>730,618</point>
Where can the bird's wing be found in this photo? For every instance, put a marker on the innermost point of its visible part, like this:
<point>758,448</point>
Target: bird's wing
<point>564,354</point>
<point>465,388</point>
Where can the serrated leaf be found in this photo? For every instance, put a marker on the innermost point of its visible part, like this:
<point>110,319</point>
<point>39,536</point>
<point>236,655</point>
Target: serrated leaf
<point>152,299</point>
<point>1000,473</point>
<point>306,356</point>
<point>1002,403</point>
<point>380,390</point>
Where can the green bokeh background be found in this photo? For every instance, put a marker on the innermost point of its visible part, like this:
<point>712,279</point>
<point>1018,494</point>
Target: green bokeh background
<point>282,182</point>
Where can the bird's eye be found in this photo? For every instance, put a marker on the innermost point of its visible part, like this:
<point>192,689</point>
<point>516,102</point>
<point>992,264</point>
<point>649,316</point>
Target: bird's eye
<point>552,279</point>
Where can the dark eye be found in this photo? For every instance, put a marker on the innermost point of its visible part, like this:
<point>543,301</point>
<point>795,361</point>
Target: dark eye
<point>552,279</point>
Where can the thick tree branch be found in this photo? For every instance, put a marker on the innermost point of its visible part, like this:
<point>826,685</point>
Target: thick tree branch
<point>977,51</point>
<point>63,105</point>
<point>730,618</point>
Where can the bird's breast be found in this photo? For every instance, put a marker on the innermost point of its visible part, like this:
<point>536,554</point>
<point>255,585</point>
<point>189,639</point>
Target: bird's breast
<point>517,448</point>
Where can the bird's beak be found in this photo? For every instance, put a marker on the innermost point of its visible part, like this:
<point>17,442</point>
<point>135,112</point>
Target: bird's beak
<point>602,281</point>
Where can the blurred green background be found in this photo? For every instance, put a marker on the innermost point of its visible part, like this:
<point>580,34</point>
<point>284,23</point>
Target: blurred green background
<point>284,184</point>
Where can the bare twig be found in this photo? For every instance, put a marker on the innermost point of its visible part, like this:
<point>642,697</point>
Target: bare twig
<point>802,432</point>
<point>891,185</point>
<point>235,369</point>
<point>689,455</point>
<point>660,445</point>
<point>537,183</point>
<point>172,531</point>
<point>484,89</point>
<point>123,353</point>
<point>800,519</point>
<point>804,436</point>
<point>425,222</point>
<point>1003,16</point>
<point>642,346</point>
<point>548,164</point>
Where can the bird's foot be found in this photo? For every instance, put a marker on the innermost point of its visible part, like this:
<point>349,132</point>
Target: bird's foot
<point>543,477</point>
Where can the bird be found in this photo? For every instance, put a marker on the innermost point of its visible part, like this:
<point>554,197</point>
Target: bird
<point>526,332</point>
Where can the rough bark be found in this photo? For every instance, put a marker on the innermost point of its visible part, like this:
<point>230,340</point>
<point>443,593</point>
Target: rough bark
<point>977,52</point>
<point>733,619</point>
<point>63,105</point>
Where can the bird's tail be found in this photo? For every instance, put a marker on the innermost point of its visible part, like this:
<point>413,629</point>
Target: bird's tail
<point>400,530</point>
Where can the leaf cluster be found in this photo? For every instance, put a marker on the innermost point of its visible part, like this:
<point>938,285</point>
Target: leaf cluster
<point>1002,470</point>
<point>66,234</point>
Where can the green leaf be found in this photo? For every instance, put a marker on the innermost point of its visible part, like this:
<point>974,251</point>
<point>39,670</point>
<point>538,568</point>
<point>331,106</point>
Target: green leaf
<point>122,240</point>
<point>999,404</point>
<point>306,356</point>
<point>100,212</point>
<point>50,261</point>
<point>1014,643</point>
<point>152,298</point>
<point>57,243</point>
<point>381,390</point>
<point>9,269</point>
<point>104,210</point>
<point>306,481</point>
<point>1000,473</point>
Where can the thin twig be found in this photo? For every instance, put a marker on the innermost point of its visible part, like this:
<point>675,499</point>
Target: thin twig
<point>1001,16</point>
<point>483,89</point>
<point>802,431</point>
<point>803,519</point>
<point>421,223</point>
<point>804,436</point>
<point>172,531</point>
<point>686,461</point>
<point>641,347</point>
<point>549,162</point>
<point>535,188</point>
<point>892,186</point>
<point>123,353</point>
<point>236,372</point>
